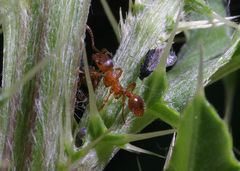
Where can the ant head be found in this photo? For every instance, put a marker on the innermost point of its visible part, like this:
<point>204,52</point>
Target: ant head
<point>103,62</point>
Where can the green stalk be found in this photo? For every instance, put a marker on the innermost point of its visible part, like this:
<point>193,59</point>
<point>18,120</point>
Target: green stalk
<point>111,18</point>
<point>35,120</point>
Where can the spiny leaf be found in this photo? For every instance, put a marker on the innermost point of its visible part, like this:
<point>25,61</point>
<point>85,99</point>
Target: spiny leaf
<point>132,148</point>
<point>203,142</point>
<point>122,139</point>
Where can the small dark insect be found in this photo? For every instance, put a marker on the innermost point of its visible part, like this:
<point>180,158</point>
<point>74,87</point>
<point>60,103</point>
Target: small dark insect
<point>79,139</point>
<point>152,59</point>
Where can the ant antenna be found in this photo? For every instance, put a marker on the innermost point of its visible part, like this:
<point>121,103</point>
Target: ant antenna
<point>92,38</point>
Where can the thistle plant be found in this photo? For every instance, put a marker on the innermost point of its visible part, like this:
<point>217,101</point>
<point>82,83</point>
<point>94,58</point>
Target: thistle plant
<point>43,45</point>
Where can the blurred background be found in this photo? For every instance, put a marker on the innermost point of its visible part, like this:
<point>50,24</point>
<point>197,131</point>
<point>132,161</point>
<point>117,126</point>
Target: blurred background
<point>105,38</point>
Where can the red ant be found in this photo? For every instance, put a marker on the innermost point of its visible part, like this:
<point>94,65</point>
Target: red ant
<point>111,79</point>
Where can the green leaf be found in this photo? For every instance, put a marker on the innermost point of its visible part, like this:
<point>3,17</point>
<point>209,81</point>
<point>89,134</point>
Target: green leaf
<point>203,142</point>
<point>196,6</point>
<point>221,57</point>
<point>231,64</point>
<point>230,87</point>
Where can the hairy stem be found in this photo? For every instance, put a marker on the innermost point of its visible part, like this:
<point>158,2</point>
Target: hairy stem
<point>35,120</point>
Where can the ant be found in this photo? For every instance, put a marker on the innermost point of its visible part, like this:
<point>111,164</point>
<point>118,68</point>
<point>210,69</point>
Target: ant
<point>111,77</point>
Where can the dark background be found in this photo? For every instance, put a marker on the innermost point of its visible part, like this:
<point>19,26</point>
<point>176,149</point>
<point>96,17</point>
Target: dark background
<point>126,161</point>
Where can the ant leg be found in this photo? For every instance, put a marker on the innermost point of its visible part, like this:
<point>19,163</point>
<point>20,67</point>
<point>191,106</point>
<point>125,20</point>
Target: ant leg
<point>92,71</point>
<point>123,107</point>
<point>106,52</point>
<point>131,87</point>
<point>106,100</point>
<point>119,72</point>
<point>95,77</point>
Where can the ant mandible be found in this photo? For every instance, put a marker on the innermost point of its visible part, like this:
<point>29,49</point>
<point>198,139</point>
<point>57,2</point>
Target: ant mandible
<point>111,79</point>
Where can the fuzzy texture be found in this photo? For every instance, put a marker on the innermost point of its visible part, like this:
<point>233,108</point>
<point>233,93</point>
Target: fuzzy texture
<point>37,117</point>
<point>36,31</point>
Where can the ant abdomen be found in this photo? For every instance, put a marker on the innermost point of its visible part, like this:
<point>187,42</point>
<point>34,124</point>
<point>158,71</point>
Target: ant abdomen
<point>136,105</point>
